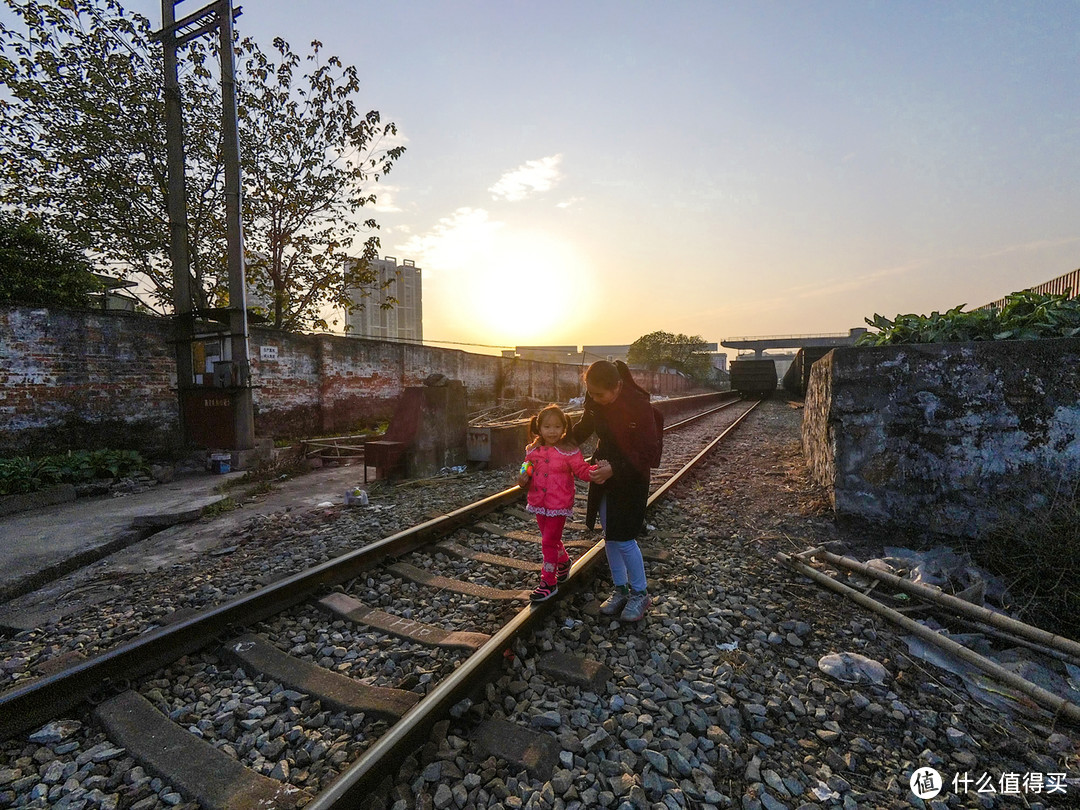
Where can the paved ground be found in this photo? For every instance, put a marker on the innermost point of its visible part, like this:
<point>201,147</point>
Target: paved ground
<point>43,544</point>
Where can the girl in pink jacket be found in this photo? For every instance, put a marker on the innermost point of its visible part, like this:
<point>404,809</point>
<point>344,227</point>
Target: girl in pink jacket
<point>551,462</point>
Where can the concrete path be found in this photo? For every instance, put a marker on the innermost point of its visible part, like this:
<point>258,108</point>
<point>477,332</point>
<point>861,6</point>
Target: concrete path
<point>41,545</point>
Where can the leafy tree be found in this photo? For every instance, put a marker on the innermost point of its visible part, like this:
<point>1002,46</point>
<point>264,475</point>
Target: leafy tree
<point>680,352</point>
<point>307,155</point>
<point>82,146</point>
<point>38,269</point>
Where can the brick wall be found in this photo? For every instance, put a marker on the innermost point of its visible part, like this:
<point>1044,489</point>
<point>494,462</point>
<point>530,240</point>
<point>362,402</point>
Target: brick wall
<point>72,379</point>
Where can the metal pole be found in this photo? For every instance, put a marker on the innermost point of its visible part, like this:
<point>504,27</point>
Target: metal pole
<point>177,208</point>
<point>238,329</point>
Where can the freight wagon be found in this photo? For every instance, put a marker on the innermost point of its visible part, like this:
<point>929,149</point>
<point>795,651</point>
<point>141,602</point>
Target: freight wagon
<point>798,375</point>
<point>753,378</point>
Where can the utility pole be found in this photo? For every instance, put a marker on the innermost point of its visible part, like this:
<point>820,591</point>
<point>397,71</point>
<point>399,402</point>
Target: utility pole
<point>177,207</point>
<point>175,33</point>
<point>243,409</point>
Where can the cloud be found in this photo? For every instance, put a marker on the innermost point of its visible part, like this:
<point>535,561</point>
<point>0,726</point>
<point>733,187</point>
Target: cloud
<point>454,243</point>
<point>570,203</point>
<point>384,199</point>
<point>530,178</point>
<point>1029,247</point>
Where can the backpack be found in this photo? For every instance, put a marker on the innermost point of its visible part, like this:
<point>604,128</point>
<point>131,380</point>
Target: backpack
<point>658,449</point>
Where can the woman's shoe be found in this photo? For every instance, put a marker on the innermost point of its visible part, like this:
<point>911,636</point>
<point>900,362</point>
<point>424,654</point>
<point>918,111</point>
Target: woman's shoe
<point>614,603</point>
<point>636,606</point>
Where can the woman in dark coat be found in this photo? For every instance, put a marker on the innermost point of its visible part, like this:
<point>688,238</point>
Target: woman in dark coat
<point>618,411</point>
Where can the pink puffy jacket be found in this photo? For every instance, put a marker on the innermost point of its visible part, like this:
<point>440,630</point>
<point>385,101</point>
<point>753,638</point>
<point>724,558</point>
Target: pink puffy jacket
<point>551,490</point>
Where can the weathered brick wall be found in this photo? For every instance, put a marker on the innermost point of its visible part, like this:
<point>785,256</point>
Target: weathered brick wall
<point>72,378</point>
<point>944,437</point>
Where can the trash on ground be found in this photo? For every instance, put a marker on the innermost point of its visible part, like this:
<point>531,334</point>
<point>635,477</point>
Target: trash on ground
<point>356,497</point>
<point>944,568</point>
<point>849,667</point>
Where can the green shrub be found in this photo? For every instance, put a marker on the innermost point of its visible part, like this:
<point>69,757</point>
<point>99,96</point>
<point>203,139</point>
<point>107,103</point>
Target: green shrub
<point>1025,316</point>
<point>22,474</point>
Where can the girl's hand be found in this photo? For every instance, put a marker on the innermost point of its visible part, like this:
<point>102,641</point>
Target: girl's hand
<point>523,481</point>
<point>602,473</point>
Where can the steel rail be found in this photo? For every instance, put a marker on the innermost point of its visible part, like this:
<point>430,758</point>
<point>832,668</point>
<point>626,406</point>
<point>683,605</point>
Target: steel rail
<point>27,707</point>
<point>360,781</point>
<point>702,415</point>
<point>663,488</point>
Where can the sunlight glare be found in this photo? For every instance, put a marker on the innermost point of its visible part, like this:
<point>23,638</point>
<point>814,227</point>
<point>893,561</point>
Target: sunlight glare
<point>524,288</point>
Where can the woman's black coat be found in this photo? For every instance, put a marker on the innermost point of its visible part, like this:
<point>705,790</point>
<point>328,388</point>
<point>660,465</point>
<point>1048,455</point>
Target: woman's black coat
<point>627,435</point>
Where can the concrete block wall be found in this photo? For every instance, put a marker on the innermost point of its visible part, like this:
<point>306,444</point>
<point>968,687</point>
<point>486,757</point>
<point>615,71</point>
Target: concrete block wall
<point>945,438</point>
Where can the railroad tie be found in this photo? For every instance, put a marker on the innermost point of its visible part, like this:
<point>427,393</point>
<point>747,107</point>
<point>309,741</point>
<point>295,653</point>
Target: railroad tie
<point>346,607</point>
<point>338,692</point>
<point>198,770</point>
<point>535,751</point>
<point>575,670</point>
<point>526,537</point>
<point>463,553</point>
<point>414,574</point>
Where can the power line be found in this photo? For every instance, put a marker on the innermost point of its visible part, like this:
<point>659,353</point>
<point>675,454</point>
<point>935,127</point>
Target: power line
<point>420,341</point>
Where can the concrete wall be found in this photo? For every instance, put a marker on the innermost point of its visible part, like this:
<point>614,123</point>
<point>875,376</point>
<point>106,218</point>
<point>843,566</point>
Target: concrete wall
<point>944,437</point>
<point>74,378</point>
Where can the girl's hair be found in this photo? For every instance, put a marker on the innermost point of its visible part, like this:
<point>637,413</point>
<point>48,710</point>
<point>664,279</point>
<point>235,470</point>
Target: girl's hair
<point>535,422</point>
<point>603,374</point>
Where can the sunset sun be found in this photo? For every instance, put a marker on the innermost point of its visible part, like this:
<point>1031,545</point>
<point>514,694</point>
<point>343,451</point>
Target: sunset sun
<point>507,286</point>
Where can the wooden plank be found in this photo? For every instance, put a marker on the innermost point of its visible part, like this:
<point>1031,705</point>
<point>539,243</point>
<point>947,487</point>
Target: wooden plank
<point>347,607</point>
<point>414,574</point>
<point>464,553</point>
<point>526,537</point>
<point>193,766</point>
<point>338,692</point>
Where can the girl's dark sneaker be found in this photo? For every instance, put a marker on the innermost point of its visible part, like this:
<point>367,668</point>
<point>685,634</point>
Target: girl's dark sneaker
<point>562,570</point>
<point>543,592</point>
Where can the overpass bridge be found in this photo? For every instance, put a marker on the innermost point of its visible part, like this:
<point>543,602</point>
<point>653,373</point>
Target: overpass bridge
<point>758,345</point>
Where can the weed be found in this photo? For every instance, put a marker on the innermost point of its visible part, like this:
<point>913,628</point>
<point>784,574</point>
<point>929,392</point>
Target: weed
<point>261,488</point>
<point>23,474</point>
<point>266,472</point>
<point>220,507</point>
<point>1037,553</point>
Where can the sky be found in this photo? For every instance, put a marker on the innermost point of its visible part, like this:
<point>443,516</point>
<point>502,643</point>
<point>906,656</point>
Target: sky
<point>588,172</point>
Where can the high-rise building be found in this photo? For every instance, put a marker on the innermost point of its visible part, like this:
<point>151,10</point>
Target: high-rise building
<point>404,319</point>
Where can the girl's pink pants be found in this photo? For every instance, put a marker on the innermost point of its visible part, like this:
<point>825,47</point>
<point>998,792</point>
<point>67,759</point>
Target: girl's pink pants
<point>551,529</point>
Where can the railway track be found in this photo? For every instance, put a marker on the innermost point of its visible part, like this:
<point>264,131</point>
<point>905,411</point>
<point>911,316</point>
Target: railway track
<point>387,639</point>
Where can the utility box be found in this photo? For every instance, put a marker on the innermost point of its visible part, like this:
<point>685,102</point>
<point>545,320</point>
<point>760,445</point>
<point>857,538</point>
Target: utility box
<point>209,417</point>
<point>224,374</point>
